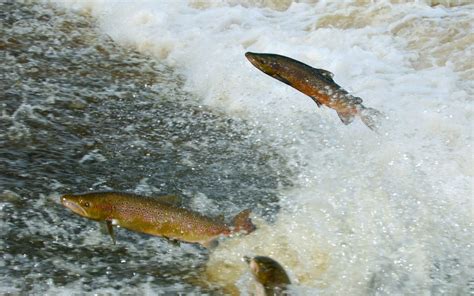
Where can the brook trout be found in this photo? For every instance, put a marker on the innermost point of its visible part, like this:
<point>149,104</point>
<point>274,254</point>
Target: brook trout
<point>270,274</point>
<point>316,83</point>
<point>155,216</point>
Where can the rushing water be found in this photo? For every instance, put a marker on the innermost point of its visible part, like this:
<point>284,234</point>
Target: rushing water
<point>156,97</point>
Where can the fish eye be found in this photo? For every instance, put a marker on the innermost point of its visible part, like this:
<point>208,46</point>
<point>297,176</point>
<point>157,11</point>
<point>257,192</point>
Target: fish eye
<point>86,204</point>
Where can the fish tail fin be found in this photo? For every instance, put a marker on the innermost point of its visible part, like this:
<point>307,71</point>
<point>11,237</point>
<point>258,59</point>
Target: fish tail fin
<point>370,117</point>
<point>345,117</point>
<point>243,223</point>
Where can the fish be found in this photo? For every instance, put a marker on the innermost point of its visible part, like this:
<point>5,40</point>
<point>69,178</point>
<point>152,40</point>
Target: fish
<point>317,84</point>
<point>160,216</point>
<point>270,274</point>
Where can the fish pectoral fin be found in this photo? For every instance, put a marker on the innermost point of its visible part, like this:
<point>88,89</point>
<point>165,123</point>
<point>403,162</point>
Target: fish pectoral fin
<point>171,199</point>
<point>173,241</point>
<point>346,118</point>
<point>110,229</point>
<point>317,102</point>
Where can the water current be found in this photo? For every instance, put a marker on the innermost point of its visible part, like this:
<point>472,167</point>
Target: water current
<point>156,97</point>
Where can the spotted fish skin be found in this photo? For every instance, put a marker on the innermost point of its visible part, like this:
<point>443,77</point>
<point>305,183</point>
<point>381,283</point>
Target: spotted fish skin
<point>155,216</point>
<point>317,84</point>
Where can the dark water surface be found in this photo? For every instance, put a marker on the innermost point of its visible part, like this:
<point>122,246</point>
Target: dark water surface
<point>78,113</point>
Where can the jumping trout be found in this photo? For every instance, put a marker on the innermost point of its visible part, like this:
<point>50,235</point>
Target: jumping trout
<point>316,83</point>
<point>270,274</point>
<point>156,216</point>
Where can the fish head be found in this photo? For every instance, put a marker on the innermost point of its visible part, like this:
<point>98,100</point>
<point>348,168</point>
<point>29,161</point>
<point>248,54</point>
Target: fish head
<point>265,62</point>
<point>267,271</point>
<point>86,205</point>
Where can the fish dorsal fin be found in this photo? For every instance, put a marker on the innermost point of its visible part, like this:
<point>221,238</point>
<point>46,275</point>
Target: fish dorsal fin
<point>171,199</point>
<point>325,73</point>
<point>220,218</point>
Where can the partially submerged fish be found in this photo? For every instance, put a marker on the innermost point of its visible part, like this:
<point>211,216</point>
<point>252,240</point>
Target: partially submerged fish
<point>270,274</point>
<point>156,216</point>
<point>316,83</point>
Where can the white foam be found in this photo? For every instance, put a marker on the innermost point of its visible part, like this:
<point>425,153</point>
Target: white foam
<point>93,155</point>
<point>375,211</point>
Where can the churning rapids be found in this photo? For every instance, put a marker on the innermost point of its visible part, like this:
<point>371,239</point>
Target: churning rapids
<point>156,97</point>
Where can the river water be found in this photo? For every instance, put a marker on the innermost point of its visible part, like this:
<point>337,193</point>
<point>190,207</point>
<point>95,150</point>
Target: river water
<point>156,97</point>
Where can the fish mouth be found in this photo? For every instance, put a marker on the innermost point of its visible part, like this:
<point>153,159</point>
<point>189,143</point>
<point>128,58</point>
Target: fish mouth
<point>73,206</point>
<point>261,62</point>
<point>253,58</point>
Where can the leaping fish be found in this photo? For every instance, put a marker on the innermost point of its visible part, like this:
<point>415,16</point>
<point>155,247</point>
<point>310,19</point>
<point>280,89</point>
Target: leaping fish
<point>270,274</point>
<point>316,83</point>
<point>155,216</point>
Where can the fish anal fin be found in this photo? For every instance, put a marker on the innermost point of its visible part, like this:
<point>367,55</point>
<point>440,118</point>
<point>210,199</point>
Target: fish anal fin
<point>345,117</point>
<point>211,244</point>
<point>110,229</point>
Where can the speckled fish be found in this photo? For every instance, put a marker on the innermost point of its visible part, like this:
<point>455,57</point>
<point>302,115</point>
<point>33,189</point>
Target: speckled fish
<point>270,274</point>
<point>316,83</point>
<point>155,216</point>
